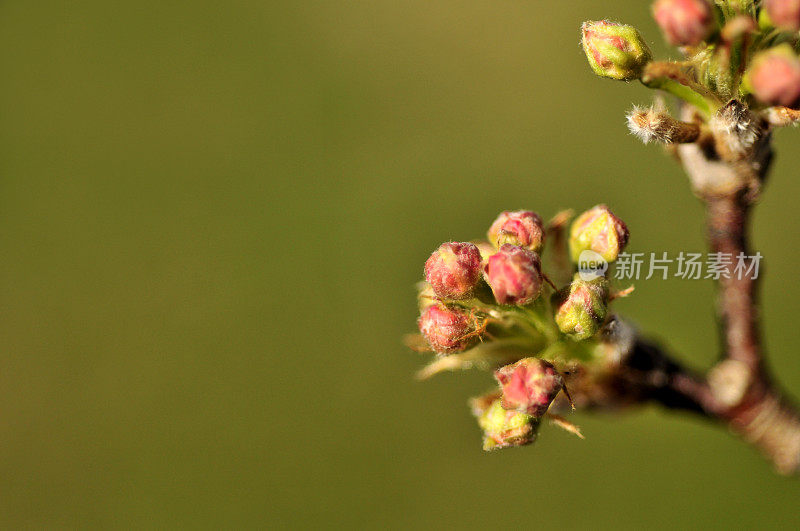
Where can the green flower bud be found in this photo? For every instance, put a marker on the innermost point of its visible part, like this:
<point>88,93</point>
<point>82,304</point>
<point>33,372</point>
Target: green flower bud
<point>598,230</point>
<point>582,307</point>
<point>615,50</point>
<point>502,428</point>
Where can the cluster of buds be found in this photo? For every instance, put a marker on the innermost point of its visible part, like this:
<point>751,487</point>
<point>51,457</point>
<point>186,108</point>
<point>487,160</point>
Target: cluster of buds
<point>490,304</point>
<point>740,53</point>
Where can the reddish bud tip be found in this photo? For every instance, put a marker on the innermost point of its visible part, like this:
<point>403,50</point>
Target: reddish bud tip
<point>774,76</point>
<point>447,330</point>
<point>684,22</point>
<point>529,385</point>
<point>522,227</point>
<point>514,274</point>
<point>598,230</point>
<point>453,270</point>
<point>785,14</point>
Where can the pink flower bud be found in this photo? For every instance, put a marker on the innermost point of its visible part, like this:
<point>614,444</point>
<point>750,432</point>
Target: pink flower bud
<point>774,76</point>
<point>614,50</point>
<point>684,22</point>
<point>523,228</point>
<point>785,14</point>
<point>514,274</point>
<point>529,385</point>
<point>453,270</point>
<point>446,329</point>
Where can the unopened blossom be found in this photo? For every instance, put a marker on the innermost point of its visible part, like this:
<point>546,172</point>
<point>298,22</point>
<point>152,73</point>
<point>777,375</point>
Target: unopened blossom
<point>521,227</point>
<point>514,274</point>
<point>600,231</point>
<point>529,385</point>
<point>614,50</point>
<point>447,329</point>
<point>684,22</point>
<point>454,269</point>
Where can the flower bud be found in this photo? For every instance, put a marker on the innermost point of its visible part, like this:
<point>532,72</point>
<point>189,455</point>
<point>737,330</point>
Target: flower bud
<point>614,50</point>
<point>503,428</point>
<point>453,270</point>
<point>529,385</point>
<point>446,329</point>
<point>684,22</point>
<point>600,231</point>
<point>581,307</point>
<point>523,228</point>
<point>785,14</point>
<point>774,76</point>
<point>514,274</point>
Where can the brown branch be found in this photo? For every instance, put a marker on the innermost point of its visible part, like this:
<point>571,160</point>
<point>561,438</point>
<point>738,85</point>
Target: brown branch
<point>727,222</point>
<point>648,374</point>
<point>727,172</point>
<point>744,394</point>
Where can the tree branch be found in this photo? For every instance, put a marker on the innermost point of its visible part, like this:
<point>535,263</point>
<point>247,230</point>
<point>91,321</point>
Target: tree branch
<point>648,374</point>
<point>727,170</point>
<point>727,221</point>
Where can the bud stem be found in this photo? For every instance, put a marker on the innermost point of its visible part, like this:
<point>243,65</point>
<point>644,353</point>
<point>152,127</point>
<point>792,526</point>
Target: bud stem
<point>550,282</point>
<point>669,77</point>
<point>557,233</point>
<point>489,355</point>
<point>543,326</point>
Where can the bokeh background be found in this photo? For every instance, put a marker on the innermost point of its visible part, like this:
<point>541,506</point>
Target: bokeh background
<point>212,217</point>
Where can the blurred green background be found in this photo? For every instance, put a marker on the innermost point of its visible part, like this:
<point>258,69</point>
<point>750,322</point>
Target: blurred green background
<point>212,217</point>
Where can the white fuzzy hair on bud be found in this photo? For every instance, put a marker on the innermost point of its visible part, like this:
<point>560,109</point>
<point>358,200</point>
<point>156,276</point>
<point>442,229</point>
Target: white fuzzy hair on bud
<point>655,124</point>
<point>782,117</point>
<point>643,123</point>
<point>736,130</point>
